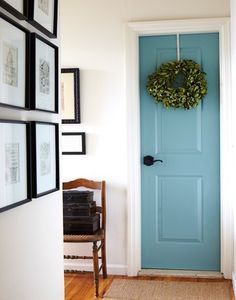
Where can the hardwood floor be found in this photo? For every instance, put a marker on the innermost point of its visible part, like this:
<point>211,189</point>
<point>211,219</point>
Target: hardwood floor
<point>81,287</point>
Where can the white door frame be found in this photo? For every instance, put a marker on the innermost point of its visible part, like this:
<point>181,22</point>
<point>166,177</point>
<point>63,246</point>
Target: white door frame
<point>133,31</point>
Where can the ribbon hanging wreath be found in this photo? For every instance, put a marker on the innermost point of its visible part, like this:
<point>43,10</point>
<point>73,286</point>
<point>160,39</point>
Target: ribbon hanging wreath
<point>164,87</point>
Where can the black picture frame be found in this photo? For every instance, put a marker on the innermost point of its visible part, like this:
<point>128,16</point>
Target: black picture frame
<point>39,16</point>
<point>14,63</point>
<point>44,75</point>
<point>73,143</point>
<point>70,95</point>
<point>15,161</point>
<point>20,14</point>
<point>45,158</point>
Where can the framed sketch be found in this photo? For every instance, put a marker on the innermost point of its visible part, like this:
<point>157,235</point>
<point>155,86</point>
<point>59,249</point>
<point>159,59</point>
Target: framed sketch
<point>45,156</point>
<point>42,14</point>
<point>14,64</point>
<point>73,143</point>
<point>70,96</point>
<point>16,7</point>
<point>44,74</point>
<point>15,164</point>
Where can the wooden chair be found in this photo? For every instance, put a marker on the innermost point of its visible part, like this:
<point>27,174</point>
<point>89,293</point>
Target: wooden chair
<point>98,237</point>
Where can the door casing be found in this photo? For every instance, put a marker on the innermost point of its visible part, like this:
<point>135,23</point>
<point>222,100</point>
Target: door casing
<point>133,31</point>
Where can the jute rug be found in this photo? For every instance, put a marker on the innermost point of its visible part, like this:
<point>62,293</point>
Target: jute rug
<point>167,290</point>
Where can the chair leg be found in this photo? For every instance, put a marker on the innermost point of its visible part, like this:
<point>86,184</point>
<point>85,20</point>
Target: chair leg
<point>104,260</point>
<point>96,268</point>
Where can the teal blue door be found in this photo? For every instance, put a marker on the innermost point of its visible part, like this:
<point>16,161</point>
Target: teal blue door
<point>181,196</point>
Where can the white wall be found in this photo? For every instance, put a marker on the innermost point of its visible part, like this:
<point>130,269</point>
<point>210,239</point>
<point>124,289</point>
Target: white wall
<point>93,39</point>
<point>31,238</point>
<point>233,70</point>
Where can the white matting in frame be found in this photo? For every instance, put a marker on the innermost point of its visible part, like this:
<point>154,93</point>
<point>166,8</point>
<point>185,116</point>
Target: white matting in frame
<point>44,13</point>
<point>12,64</point>
<point>70,95</point>
<point>14,175</point>
<point>73,143</point>
<point>45,75</point>
<point>46,158</point>
<point>67,96</point>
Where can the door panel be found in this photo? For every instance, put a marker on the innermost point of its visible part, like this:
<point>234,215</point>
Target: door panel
<point>172,224</point>
<point>180,197</point>
<point>189,141</point>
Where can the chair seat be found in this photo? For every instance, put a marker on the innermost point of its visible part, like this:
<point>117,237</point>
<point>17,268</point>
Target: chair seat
<point>84,238</point>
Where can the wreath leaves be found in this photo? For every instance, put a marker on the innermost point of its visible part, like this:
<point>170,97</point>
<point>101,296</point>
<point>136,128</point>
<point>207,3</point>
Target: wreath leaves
<point>194,87</point>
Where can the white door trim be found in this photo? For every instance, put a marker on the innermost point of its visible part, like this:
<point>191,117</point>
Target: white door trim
<point>133,31</point>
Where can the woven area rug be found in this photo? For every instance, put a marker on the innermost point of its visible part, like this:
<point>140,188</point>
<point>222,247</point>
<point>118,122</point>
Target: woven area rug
<point>167,290</point>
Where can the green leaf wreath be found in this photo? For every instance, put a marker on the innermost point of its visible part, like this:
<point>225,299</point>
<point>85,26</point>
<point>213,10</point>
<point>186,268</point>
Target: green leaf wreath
<point>162,84</point>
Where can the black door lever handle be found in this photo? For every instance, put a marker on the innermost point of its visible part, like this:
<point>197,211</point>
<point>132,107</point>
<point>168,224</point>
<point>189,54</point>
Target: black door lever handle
<point>149,160</point>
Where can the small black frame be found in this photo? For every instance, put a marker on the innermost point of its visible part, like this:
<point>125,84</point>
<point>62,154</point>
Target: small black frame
<point>73,151</point>
<point>35,83</point>
<point>11,98</point>
<point>8,7</point>
<point>45,158</point>
<point>75,73</point>
<point>12,164</point>
<point>41,26</point>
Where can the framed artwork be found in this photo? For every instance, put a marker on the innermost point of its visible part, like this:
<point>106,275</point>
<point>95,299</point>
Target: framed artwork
<point>73,143</point>
<point>16,7</point>
<point>70,96</point>
<point>42,14</point>
<point>14,64</point>
<point>45,155</point>
<point>44,74</point>
<point>15,164</point>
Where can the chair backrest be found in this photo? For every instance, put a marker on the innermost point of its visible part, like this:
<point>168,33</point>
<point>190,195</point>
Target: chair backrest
<point>95,185</point>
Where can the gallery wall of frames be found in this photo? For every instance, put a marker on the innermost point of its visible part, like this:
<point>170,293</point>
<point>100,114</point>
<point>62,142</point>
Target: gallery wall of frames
<point>29,151</point>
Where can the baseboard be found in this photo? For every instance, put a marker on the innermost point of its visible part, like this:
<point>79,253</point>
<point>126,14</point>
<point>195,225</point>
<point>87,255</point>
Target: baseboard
<point>234,283</point>
<point>180,273</point>
<point>111,269</point>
